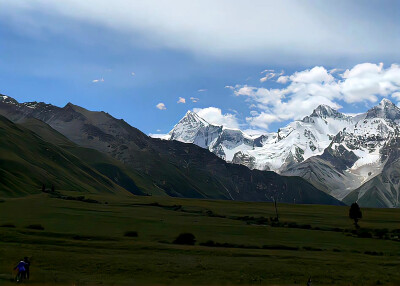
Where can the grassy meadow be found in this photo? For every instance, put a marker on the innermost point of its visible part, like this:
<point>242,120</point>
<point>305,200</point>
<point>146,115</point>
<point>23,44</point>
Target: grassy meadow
<point>84,243</point>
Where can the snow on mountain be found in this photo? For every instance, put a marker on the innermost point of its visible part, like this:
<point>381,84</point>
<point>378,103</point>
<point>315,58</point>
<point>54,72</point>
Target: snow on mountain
<point>336,152</point>
<point>356,157</point>
<point>222,141</point>
<point>273,151</point>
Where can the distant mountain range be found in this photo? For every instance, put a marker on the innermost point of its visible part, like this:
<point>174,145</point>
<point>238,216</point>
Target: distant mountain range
<point>84,151</point>
<point>353,158</point>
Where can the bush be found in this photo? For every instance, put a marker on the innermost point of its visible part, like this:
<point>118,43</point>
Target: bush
<point>364,233</point>
<point>185,239</point>
<point>131,233</point>
<point>35,226</point>
<point>211,243</point>
<point>310,248</point>
<point>2,201</point>
<point>8,225</point>
<point>373,253</point>
<point>381,233</point>
<point>280,247</point>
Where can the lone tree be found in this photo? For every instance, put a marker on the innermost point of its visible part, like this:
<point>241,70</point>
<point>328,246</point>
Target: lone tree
<point>355,213</point>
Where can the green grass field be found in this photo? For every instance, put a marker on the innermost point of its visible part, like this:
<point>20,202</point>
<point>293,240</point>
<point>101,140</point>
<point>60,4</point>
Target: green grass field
<point>84,244</point>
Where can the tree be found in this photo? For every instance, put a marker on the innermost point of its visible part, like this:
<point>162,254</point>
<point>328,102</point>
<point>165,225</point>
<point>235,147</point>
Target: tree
<point>52,188</point>
<point>355,214</point>
<point>43,187</point>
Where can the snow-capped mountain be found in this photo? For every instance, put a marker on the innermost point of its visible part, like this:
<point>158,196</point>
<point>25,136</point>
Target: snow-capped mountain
<point>336,152</point>
<point>273,151</point>
<point>222,141</point>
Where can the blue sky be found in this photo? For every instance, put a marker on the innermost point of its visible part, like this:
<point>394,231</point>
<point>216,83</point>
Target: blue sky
<point>214,52</point>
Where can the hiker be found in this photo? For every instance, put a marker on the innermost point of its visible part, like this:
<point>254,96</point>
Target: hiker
<point>309,281</point>
<point>27,264</point>
<point>21,271</point>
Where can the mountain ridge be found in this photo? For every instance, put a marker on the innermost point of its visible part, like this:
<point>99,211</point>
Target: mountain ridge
<point>173,168</point>
<point>336,152</point>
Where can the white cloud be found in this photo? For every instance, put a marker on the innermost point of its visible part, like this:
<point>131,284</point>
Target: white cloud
<point>181,100</point>
<point>202,90</point>
<point>283,79</point>
<point>194,99</point>
<point>396,95</point>
<point>214,115</point>
<point>365,82</point>
<point>315,75</point>
<point>161,106</point>
<point>309,88</point>
<point>268,75</point>
<point>98,80</point>
<point>208,27</point>
<point>133,74</point>
<point>160,136</point>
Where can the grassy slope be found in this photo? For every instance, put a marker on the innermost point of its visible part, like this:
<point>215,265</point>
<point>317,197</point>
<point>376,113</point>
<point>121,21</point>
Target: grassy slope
<point>27,161</point>
<point>111,168</point>
<point>62,254</point>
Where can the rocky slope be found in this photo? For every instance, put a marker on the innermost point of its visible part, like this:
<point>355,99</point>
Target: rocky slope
<point>174,168</point>
<point>335,152</point>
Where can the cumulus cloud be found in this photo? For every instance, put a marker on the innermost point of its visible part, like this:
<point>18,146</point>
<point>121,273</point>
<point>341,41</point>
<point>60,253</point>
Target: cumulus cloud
<point>161,106</point>
<point>98,80</point>
<point>215,116</point>
<point>194,99</point>
<point>283,79</point>
<point>307,89</point>
<point>181,100</point>
<point>365,82</point>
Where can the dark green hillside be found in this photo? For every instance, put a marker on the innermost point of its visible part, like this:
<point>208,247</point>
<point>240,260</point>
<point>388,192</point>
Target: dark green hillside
<point>113,169</point>
<point>27,162</point>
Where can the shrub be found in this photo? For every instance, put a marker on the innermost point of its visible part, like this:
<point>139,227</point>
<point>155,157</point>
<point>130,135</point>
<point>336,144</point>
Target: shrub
<point>310,248</point>
<point>211,243</point>
<point>35,226</point>
<point>381,232</point>
<point>131,233</point>
<point>364,233</point>
<point>373,253</point>
<point>292,225</point>
<point>8,225</point>
<point>2,201</point>
<point>185,239</point>
<point>280,247</point>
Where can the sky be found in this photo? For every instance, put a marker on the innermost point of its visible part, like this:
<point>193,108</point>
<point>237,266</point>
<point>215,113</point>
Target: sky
<point>254,65</point>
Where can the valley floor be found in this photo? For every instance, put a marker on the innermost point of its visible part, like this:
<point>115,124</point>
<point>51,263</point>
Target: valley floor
<point>84,243</point>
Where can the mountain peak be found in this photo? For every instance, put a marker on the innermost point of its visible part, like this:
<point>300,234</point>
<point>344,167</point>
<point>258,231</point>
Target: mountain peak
<point>385,109</point>
<point>386,102</point>
<point>325,111</point>
<point>7,99</point>
<point>192,116</point>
